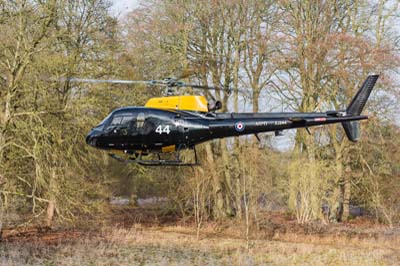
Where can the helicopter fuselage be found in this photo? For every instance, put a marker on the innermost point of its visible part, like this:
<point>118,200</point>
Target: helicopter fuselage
<point>134,129</point>
<point>174,123</point>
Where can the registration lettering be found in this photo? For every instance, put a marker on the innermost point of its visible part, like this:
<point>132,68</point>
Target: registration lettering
<point>271,123</point>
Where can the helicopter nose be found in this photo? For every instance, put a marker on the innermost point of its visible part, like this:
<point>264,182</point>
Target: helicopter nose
<point>91,138</point>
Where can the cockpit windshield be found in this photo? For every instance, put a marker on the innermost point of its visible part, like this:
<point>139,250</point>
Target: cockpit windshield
<point>104,120</point>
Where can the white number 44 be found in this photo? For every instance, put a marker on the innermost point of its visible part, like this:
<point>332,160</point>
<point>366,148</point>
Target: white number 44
<point>160,129</point>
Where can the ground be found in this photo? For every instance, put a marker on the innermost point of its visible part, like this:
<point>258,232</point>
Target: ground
<point>278,241</point>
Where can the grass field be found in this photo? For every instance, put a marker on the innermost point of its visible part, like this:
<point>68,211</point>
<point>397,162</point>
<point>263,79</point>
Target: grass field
<point>136,236</point>
<point>175,245</point>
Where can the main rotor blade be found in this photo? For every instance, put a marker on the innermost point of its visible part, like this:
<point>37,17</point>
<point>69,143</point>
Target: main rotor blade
<point>168,82</point>
<point>112,81</point>
<point>195,86</point>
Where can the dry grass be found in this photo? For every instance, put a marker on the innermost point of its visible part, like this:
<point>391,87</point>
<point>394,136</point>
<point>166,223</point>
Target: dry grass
<point>178,246</point>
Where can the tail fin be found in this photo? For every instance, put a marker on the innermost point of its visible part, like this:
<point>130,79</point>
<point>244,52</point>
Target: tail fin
<point>352,128</point>
<point>358,102</point>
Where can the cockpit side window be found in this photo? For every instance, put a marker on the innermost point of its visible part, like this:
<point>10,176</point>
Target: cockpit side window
<point>116,121</point>
<point>130,123</point>
<point>126,121</point>
<point>122,120</point>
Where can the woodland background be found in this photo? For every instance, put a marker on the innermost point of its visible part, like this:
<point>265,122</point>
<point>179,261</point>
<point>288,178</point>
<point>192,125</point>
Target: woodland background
<point>288,55</point>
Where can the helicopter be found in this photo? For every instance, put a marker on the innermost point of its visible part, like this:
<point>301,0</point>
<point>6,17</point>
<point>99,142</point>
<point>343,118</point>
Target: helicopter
<point>171,124</point>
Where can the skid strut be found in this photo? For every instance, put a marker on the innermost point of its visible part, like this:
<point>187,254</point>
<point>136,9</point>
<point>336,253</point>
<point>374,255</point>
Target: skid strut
<point>160,161</point>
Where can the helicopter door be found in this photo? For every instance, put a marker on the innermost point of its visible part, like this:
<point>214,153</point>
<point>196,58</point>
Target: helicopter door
<point>181,129</point>
<point>160,130</point>
<point>120,129</point>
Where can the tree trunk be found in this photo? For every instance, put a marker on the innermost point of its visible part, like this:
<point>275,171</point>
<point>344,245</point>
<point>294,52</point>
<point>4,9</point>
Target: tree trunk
<point>4,120</point>
<point>51,207</point>
<point>50,212</point>
<point>228,192</point>
<point>346,198</point>
<point>218,208</point>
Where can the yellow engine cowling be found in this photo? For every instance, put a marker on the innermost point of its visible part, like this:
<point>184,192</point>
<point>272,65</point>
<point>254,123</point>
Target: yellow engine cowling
<point>188,103</point>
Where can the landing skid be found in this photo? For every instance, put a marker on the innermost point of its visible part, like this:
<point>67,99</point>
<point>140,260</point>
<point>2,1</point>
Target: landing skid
<point>159,161</point>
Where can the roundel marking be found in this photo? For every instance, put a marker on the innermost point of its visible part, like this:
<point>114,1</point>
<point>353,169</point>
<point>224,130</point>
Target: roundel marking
<point>239,126</point>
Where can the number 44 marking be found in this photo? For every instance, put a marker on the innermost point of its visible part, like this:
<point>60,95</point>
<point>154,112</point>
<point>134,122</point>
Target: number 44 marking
<point>160,129</point>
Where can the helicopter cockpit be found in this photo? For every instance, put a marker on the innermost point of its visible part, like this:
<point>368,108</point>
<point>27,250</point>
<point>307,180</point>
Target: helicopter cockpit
<point>120,127</point>
<point>119,123</point>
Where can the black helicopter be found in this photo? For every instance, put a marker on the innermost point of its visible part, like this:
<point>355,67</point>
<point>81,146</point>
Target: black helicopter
<point>173,123</point>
